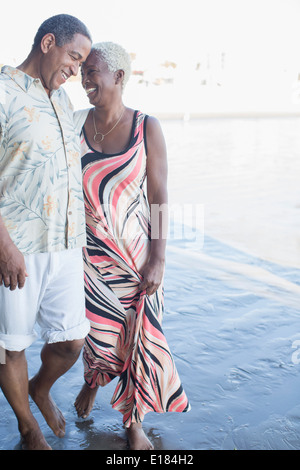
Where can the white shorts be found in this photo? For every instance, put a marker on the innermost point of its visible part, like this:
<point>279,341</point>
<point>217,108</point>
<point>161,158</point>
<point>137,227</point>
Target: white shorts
<point>53,297</point>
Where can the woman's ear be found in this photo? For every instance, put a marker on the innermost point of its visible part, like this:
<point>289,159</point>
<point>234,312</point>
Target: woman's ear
<point>47,42</point>
<point>119,76</point>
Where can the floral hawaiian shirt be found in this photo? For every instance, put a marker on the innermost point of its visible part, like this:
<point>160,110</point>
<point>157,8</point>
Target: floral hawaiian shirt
<point>41,200</point>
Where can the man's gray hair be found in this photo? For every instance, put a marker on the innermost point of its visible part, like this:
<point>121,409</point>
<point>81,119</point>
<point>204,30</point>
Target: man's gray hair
<point>116,58</point>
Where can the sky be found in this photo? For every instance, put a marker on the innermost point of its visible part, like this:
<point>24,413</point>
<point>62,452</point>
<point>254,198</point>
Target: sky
<point>166,27</point>
<point>261,38</point>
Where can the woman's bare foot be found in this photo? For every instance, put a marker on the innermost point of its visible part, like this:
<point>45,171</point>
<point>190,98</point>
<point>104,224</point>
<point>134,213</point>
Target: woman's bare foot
<point>48,408</point>
<point>137,438</point>
<point>33,439</point>
<point>85,400</point>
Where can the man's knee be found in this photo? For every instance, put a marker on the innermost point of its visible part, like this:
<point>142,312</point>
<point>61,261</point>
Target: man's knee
<point>14,356</point>
<point>69,348</point>
<point>74,347</point>
<point>12,359</point>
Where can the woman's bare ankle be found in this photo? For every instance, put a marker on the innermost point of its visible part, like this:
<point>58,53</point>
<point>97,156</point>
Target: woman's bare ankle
<point>137,438</point>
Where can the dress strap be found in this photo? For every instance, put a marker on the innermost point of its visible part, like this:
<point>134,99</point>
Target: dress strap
<point>140,127</point>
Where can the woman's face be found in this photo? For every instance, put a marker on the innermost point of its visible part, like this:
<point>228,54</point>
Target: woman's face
<point>98,82</point>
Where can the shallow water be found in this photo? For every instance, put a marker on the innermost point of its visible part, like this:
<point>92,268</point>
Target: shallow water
<point>231,295</point>
<point>245,174</point>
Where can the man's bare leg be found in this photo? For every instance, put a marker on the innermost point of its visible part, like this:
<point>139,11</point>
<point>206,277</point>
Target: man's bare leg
<point>14,384</point>
<point>57,359</point>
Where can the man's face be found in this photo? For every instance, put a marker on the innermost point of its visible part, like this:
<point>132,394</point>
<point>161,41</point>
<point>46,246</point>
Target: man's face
<point>60,63</point>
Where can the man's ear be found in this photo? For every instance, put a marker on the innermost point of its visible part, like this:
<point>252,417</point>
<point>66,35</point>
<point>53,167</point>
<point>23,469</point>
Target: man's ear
<point>47,42</point>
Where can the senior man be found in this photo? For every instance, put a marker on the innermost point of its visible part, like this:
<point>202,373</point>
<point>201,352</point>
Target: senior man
<point>42,223</point>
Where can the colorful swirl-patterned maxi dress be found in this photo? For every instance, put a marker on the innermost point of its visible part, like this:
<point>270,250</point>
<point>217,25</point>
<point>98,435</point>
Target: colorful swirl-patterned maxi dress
<point>126,339</point>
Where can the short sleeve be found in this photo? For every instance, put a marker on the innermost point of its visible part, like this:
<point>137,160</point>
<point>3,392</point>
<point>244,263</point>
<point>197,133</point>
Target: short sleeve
<point>80,118</point>
<point>2,120</point>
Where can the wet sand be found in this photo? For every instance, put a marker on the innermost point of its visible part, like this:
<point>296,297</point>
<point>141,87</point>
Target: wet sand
<point>231,334</point>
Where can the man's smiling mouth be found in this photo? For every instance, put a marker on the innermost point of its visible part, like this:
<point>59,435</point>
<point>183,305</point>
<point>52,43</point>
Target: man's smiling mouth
<point>65,76</point>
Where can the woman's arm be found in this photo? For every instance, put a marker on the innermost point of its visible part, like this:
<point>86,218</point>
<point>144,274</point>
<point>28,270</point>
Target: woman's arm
<point>157,170</point>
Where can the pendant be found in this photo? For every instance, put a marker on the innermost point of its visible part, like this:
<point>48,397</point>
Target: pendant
<point>101,138</point>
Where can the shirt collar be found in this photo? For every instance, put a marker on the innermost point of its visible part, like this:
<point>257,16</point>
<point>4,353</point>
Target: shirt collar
<point>20,78</point>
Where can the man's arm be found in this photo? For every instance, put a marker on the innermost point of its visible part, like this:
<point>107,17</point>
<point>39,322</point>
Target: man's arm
<point>12,264</point>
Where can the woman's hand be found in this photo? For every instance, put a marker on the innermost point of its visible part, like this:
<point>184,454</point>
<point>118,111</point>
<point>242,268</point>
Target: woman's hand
<point>152,274</point>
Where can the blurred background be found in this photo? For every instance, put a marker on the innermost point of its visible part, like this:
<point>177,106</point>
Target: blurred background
<point>189,58</point>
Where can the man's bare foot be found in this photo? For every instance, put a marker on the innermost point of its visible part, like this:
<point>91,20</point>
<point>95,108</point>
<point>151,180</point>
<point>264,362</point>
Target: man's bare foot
<point>85,400</point>
<point>137,438</point>
<point>33,439</point>
<point>48,408</point>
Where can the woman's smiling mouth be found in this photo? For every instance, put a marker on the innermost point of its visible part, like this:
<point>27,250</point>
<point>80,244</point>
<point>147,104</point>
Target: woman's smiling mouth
<point>90,90</point>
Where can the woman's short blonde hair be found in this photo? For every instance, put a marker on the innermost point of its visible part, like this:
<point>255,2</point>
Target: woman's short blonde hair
<point>116,58</point>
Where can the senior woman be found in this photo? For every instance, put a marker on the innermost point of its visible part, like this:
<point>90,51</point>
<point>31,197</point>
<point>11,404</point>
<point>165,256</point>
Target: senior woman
<point>124,166</point>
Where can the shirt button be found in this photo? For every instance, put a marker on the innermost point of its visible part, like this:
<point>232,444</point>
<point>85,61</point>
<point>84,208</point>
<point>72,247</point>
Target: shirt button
<point>70,212</point>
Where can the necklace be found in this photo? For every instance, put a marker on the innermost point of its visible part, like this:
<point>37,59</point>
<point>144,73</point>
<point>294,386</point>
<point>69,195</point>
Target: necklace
<point>100,139</point>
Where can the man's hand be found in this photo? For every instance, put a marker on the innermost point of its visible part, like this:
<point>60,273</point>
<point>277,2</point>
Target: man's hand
<point>12,266</point>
